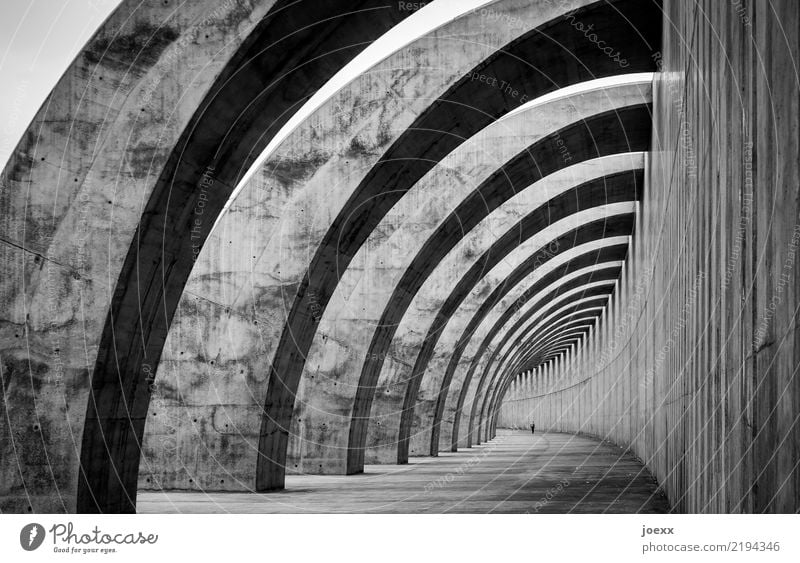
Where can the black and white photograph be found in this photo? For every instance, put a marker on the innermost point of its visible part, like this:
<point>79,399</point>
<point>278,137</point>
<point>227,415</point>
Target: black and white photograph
<point>340,280</point>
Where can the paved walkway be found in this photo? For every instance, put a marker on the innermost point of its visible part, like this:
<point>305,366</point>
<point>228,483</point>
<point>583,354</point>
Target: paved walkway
<point>515,472</point>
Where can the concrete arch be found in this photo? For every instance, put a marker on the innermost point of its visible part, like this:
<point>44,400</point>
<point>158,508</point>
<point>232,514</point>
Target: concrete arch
<point>575,322</point>
<point>691,368</point>
<point>538,348</point>
<point>528,357</point>
<point>167,130</point>
<point>620,225</point>
<point>559,352</point>
<point>534,361</point>
<point>553,331</point>
<point>472,343</point>
<point>623,129</point>
<point>496,409</point>
<point>478,416</point>
<point>529,331</point>
<point>593,273</point>
<point>462,429</point>
<point>532,349</point>
<point>342,342</point>
<point>554,55</point>
<point>525,242</point>
<point>665,324</point>
<point>520,343</point>
<point>547,334</point>
<point>429,407</point>
<point>480,362</point>
<point>544,350</point>
<point>559,346</point>
<point>586,193</point>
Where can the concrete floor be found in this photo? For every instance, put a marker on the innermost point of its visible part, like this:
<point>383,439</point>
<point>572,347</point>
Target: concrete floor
<point>514,473</point>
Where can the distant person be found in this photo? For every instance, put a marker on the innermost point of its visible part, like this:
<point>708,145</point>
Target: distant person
<point>533,427</point>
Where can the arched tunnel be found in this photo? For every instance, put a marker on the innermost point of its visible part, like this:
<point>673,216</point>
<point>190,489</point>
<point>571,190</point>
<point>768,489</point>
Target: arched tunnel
<point>581,215</point>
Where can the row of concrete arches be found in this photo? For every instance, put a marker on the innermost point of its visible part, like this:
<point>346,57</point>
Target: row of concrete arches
<point>373,289</point>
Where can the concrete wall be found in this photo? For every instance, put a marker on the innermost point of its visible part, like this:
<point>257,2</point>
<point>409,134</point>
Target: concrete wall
<point>694,364</point>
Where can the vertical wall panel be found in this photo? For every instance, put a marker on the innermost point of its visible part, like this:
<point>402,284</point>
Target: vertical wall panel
<point>694,365</point>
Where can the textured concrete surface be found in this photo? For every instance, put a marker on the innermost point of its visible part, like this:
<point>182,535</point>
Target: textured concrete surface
<point>695,366</point>
<point>514,473</point>
<point>106,199</point>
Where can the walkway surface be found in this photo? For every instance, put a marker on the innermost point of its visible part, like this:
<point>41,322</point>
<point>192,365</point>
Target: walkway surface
<point>516,472</point>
